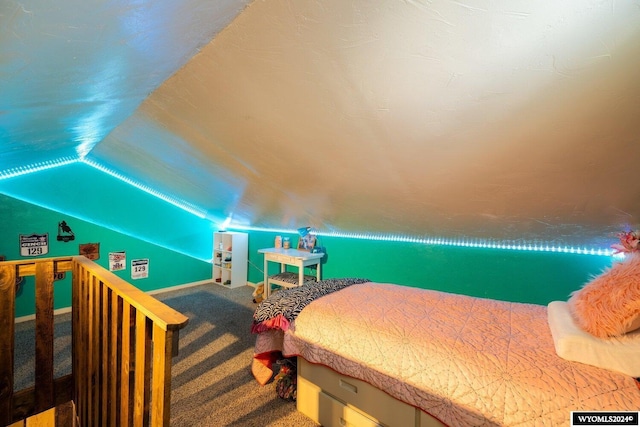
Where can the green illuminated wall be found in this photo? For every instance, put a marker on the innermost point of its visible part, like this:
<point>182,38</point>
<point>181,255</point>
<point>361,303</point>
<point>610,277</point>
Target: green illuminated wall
<point>101,209</point>
<point>533,277</point>
<point>80,191</point>
<point>166,267</point>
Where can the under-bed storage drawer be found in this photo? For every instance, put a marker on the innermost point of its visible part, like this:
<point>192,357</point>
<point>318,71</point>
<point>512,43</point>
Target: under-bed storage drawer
<point>350,393</point>
<point>327,411</point>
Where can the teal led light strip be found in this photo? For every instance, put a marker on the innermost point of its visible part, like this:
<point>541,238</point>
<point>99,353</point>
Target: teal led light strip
<point>439,241</point>
<point>173,200</point>
<point>37,167</point>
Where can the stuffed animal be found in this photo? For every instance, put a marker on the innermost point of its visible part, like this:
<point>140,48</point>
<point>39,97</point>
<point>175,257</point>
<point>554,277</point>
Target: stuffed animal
<point>258,293</point>
<point>286,379</point>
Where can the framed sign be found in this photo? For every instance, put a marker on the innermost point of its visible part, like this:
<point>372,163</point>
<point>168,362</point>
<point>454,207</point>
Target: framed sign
<point>307,243</point>
<point>34,244</point>
<point>117,260</point>
<point>140,268</point>
<point>90,250</point>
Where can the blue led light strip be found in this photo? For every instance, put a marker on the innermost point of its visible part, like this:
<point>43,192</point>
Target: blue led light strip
<point>173,200</point>
<point>440,241</point>
<point>49,164</point>
<point>37,167</point>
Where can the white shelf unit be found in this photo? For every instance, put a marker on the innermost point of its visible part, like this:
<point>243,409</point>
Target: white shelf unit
<point>230,251</point>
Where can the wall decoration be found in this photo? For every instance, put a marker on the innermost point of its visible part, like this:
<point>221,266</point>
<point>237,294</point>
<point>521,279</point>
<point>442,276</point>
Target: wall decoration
<point>117,260</point>
<point>306,242</point>
<point>64,232</point>
<point>90,250</point>
<point>34,244</point>
<point>140,268</point>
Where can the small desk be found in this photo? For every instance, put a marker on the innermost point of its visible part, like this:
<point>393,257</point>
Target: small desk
<point>284,257</point>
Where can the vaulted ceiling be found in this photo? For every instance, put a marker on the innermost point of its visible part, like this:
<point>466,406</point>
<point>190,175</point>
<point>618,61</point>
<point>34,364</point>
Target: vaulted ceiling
<point>505,120</point>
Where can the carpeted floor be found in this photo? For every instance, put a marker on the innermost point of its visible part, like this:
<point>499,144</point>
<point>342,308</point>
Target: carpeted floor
<point>212,383</point>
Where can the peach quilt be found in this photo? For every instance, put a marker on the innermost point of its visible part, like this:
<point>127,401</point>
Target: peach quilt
<point>464,360</point>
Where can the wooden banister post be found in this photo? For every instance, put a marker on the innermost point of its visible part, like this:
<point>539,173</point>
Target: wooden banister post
<point>44,336</point>
<point>7,330</point>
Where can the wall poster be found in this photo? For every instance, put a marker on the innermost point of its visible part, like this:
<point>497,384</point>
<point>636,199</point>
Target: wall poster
<point>117,260</point>
<point>90,250</point>
<point>140,268</point>
<point>34,244</point>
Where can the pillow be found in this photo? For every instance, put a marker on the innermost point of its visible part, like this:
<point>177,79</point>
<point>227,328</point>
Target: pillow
<point>609,305</point>
<point>620,354</point>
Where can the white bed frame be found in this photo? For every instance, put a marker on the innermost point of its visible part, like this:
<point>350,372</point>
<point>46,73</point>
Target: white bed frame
<point>335,400</point>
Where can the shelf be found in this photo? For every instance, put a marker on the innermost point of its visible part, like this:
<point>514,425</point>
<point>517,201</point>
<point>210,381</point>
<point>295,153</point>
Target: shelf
<point>289,279</point>
<point>230,251</point>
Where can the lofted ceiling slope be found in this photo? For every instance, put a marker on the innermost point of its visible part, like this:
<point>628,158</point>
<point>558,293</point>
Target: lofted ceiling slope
<point>502,120</point>
<point>71,71</point>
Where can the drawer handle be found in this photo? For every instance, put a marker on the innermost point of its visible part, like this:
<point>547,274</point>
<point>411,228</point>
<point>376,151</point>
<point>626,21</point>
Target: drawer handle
<point>349,387</point>
<point>343,422</point>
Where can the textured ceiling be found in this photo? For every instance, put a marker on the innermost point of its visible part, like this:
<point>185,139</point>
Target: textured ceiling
<point>71,71</point>
<point>505,120</point>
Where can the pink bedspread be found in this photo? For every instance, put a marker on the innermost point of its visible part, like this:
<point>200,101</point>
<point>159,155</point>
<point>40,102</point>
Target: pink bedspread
<point>464,360</point>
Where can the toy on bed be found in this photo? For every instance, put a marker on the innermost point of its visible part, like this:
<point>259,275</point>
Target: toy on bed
<point>609,305</point>
<point>600,323</point>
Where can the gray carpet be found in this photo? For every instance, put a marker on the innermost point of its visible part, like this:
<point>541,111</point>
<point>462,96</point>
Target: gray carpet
<point>212,383</point>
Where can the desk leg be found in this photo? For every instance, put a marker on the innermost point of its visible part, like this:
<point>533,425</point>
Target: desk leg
<point>318,275</point>
<point>267,287</point>
<point>300,273</point>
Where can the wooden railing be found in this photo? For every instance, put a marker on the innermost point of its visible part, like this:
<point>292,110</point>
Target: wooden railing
<point>122,344</point>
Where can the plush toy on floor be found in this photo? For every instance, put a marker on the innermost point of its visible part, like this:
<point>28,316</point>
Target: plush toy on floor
<point>258,293</point>
<point>286,379</point>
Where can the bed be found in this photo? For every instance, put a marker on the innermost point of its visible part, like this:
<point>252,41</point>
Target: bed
<point>443,358</point>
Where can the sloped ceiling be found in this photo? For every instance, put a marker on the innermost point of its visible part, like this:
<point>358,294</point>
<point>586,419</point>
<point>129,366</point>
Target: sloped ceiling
<point>503,120</point>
